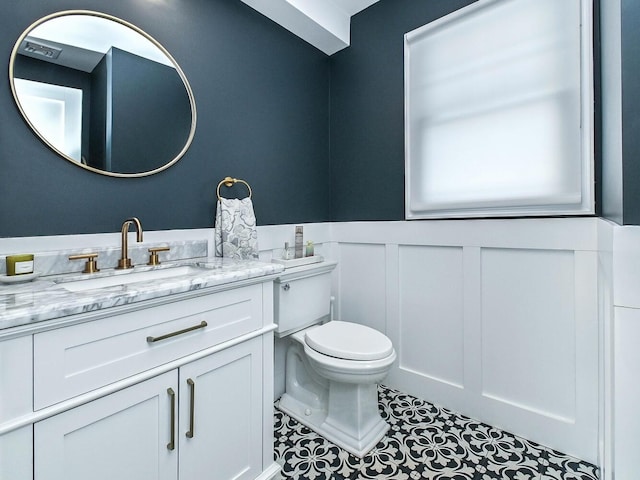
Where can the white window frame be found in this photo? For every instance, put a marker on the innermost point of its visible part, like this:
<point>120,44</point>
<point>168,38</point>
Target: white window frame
<point>416,207</point>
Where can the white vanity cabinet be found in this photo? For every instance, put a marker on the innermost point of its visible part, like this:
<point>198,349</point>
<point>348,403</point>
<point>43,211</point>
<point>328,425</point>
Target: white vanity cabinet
<point>16,459</point>
<point>123,435</point>
<point>220,421</point>
<point>203,420</point>
<point>176,389</point>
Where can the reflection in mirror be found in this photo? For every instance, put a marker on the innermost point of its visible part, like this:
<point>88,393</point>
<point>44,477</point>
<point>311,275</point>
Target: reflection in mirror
<point>102,93</point>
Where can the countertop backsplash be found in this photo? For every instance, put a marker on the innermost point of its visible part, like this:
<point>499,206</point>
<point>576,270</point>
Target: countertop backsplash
<point>57,262</point>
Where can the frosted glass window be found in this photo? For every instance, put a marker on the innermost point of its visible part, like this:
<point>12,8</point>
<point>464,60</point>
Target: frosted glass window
<point>498,105</point>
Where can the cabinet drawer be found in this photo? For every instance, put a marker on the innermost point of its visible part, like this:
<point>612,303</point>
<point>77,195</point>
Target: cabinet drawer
<point>77,359</point>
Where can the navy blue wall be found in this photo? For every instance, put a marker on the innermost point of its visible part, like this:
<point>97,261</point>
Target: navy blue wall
<point>367,109</point>
<point>262,97</point>
<point>630,111</point>
<point>142,140</point>
<point>318,138</point>
<point>97,114</point>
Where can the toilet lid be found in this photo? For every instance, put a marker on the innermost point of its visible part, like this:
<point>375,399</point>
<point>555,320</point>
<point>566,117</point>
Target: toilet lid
<point>350,341</point>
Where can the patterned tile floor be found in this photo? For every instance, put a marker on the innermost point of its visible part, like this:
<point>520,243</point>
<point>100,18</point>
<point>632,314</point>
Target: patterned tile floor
<point>424,442</point>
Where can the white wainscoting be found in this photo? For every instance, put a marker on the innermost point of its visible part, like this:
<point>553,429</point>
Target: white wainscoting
<point>624,337</point>
<point>430,302</point>
<point>496,319</point>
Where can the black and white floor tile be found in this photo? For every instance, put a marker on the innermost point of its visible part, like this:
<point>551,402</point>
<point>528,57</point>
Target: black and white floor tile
<point>424,442</point>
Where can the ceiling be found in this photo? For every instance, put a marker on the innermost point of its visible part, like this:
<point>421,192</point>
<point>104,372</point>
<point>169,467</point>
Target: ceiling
<point>83,40</point>
<point>325,24</point>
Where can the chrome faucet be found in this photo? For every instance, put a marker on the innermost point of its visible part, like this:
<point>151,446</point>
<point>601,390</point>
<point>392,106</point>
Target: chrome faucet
<point>125,261</point>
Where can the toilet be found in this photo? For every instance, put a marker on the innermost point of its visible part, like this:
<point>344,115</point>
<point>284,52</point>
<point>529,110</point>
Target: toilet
<point>332,367</point>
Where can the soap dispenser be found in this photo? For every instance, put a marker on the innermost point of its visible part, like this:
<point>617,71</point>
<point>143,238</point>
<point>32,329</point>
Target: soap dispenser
<point>286,253</point>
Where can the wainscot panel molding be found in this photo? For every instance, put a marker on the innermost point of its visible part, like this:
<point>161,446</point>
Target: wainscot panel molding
<point>528,330</point>
<point>626,421</point>
<point>622,358</point>
<point>429,302</point>
<point>605,314</point>
<point>626,266</point>
<point>496,319</point>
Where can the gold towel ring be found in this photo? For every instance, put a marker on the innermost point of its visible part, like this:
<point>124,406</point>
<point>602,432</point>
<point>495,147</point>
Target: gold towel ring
<point>228,181</point>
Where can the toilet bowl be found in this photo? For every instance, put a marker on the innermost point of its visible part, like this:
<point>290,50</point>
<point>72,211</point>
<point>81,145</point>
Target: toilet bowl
<point>338,397</point>
<point>331,372</point>
<point>348,352</point>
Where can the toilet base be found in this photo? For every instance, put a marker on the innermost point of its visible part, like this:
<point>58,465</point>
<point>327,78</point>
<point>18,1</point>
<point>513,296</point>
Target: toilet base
<point>357,433</point>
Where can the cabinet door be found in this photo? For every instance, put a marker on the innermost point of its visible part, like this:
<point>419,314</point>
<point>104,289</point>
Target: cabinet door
<point>122,436</point>
<point>16,459</point>
<point>221,415</point>
<point>16,393</point>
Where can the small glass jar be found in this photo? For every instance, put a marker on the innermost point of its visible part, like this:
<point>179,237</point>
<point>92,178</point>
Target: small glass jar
<point>309,249</point>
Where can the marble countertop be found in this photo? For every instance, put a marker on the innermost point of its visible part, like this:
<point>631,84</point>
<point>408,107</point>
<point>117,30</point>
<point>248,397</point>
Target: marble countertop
<point>45,298</point>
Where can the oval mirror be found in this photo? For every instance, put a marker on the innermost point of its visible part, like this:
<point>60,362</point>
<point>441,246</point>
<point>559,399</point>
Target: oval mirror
<point>102,93</point>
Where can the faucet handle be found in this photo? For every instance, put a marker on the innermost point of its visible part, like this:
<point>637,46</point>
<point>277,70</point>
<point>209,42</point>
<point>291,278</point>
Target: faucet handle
<point>91,265</point>
<point>153,258</point>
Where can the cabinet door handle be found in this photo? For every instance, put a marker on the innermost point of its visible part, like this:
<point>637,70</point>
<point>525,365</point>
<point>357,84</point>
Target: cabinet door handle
<point>192,407</point>
<point>179,332</point>
<point>172,444</point>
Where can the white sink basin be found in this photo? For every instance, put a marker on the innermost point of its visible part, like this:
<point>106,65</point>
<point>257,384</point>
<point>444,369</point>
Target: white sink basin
<point>126,277</point>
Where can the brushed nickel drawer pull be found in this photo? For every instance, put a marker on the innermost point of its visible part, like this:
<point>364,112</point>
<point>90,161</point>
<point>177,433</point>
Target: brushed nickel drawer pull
<point>179,332</point>
<point>192,407</point>
<point>172,444</point>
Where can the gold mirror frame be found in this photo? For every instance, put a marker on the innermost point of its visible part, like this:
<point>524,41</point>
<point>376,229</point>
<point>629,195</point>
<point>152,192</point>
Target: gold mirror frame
<point>105,16</point>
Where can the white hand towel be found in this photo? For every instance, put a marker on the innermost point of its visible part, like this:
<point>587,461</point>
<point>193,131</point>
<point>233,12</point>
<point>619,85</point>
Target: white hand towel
<point>236,235</point>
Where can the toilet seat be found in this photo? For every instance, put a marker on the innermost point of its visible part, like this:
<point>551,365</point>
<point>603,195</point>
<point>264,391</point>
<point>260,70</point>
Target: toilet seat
<point>349,341</point>
<point>355,371</point>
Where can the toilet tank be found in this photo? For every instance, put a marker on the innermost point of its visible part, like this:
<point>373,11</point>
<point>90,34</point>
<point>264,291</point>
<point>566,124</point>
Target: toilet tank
<point>302,297</point>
